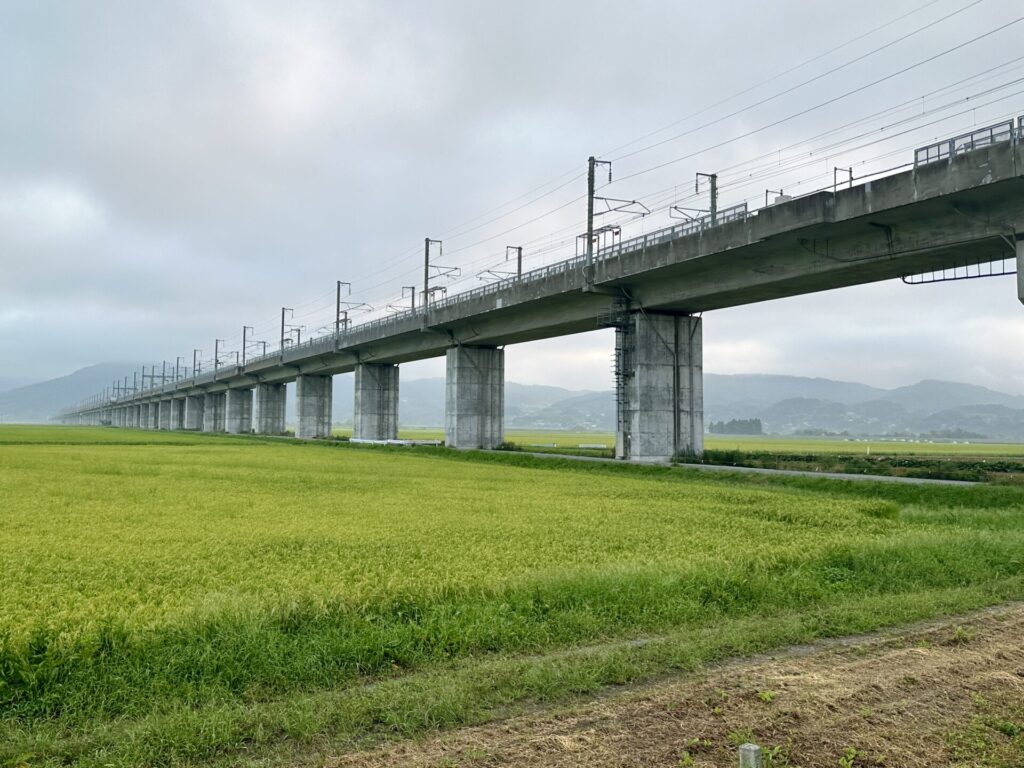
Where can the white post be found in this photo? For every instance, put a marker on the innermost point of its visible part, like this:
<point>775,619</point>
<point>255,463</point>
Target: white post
<point>750,756</point>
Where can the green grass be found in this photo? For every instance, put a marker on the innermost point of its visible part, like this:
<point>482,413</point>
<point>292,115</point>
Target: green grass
<point>186,599</point>
<point>521,437</point>
<point>746,443</point>
<point>775,444</point>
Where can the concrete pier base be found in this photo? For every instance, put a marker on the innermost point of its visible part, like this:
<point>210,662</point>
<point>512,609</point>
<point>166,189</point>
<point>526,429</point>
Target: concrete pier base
<point>474,401</point>
<point>238,413</point>
<point>313,402</point>
<point>659,387</point>
<point>213,412</point>
<point>194,412</point>
<point>375,415</point>
<point>268,415</point>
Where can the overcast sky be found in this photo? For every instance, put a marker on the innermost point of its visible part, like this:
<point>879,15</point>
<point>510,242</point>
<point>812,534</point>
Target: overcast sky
<point>170,171</point>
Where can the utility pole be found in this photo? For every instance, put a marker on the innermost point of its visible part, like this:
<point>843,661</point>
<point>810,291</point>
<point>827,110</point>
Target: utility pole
<point>163,373</point>
<point>177,368</point>
<point>588,272</point>
<point>519,255</point>
<point>426,275</point>
<point>412,296</point>
<point>245,330</point>
<point>713,178</point>
<point>216,355</point>
<point>592,163</point>
<point>135,382</point>
<point>196,364</point>
<point>283,310</point>
<point>337,307</point>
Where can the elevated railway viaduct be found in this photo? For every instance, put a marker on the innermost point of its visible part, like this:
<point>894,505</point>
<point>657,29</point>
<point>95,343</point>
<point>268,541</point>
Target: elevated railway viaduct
<point>962,204</point>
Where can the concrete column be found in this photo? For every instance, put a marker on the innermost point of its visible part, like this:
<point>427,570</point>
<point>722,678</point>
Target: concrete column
<point>213,412</point>
<point>133,416</point>
<point>194,412</point>
<point>474,397</point>
<point>268,416</point>
<point>144,416</point>
<point>238,419</point>
<point>375,415</point>
<point>177,413</point>
<point>165,414</point>
<point>313,402</point>
<point>1020,268</point>
<point>659,387</point>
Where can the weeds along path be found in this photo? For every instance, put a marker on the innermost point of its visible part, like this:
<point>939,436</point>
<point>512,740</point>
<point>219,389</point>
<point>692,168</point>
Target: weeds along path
<point>944,693</point>
<point>203,598</point>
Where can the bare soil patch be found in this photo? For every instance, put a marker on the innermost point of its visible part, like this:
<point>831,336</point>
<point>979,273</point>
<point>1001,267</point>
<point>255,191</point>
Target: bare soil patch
<point>942,693</point>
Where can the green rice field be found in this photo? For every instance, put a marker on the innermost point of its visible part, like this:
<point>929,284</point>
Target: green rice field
<point>183,599</point>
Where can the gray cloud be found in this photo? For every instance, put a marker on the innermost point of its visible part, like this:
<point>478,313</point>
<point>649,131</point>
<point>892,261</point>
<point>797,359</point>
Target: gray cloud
<point>170,171</point>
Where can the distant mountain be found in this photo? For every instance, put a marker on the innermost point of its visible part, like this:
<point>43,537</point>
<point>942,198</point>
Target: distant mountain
<point>7,383</point>
<point>995,422</point>
<point>768,389</point>
<point>591,411</point>
<point>930,396</point>
<point>877,417</point>
<point>784,404</point>
<point>38,402</point>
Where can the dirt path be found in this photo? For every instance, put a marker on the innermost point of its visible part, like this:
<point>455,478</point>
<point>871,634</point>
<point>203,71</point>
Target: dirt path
<point>945,693</point>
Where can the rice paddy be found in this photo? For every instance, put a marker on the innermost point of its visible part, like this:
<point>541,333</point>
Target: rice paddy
<point>189,599</point>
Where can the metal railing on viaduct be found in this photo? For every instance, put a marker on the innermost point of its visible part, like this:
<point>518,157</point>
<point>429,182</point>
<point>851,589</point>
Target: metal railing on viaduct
<point>960,204</point>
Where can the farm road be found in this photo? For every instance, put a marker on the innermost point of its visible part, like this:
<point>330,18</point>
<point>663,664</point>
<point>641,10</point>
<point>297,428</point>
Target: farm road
<point>943,693</point>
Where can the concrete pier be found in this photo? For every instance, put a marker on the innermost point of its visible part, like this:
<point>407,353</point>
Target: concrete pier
<point>177,413</point>
<point>164,410</point>
<point>1020,268</point>
<point>194,412</point>
<point>238,411</point>
<point>213,412</point>
<point>145,422</point>
<point>659,387</point>
<point>375,415</point>
<point>474,400</point>
<point>268,416</point>
<point>313,398</point>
